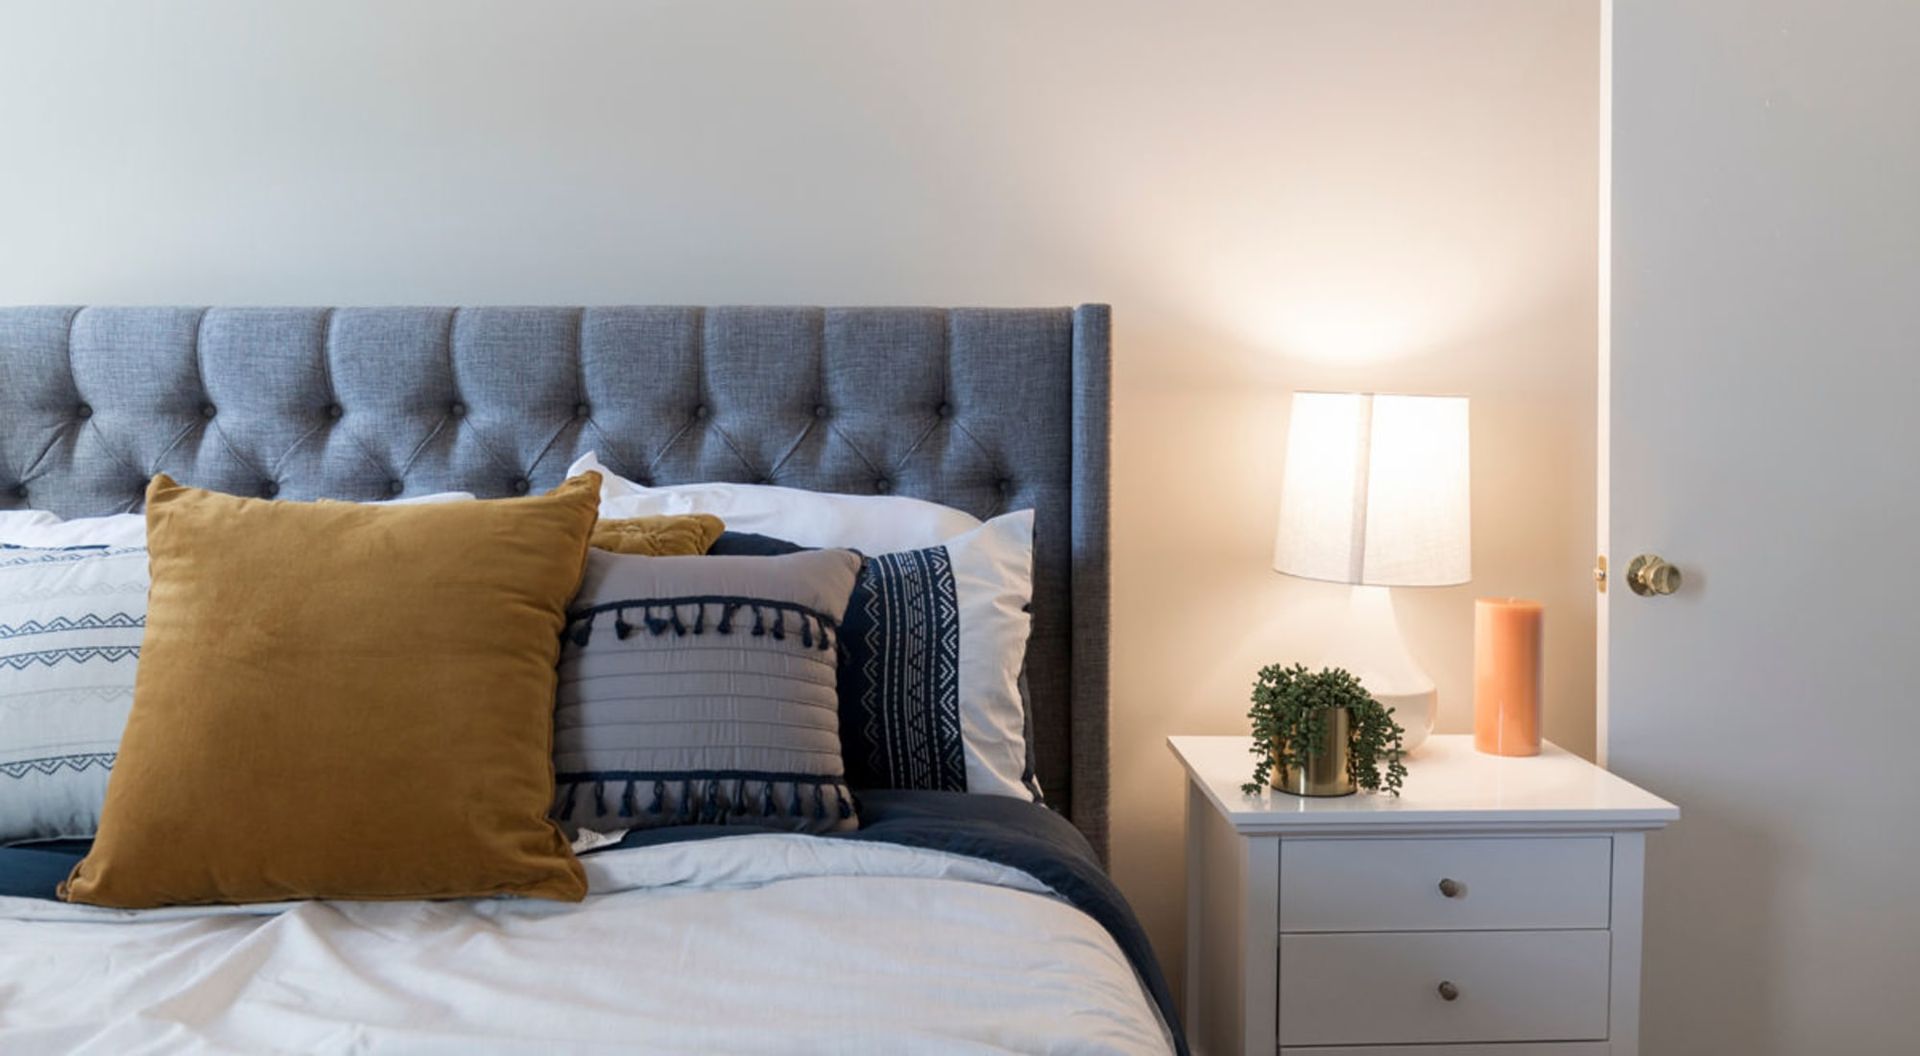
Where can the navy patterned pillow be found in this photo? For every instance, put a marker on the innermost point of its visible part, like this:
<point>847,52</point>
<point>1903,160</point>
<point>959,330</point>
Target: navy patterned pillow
<point>932,650</point>
<point>900,688</point>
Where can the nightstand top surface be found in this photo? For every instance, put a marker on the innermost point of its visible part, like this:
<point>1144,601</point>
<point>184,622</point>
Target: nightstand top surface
<point>1449,785</point>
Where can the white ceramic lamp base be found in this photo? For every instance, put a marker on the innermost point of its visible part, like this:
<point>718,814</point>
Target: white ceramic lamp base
<point>1368,644</point>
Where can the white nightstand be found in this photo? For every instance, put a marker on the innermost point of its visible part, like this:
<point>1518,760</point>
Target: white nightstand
<point>1492,910</point>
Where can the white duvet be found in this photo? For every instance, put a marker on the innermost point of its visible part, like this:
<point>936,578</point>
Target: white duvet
<point>746,944</point>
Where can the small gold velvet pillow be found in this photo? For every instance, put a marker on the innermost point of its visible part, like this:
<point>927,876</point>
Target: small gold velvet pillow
<point>667,535</point>
<point>338,700</point>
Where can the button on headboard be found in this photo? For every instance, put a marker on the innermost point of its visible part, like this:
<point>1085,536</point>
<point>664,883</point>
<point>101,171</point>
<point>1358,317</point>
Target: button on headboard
<point>986,410</point>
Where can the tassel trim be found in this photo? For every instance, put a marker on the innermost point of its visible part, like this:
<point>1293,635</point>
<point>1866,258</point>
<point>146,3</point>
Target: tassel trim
<point>709,797</point>
<point>684,616</point>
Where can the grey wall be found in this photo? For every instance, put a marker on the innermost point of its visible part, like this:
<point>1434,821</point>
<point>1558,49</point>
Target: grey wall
<point>1766,362</point>
<point>1390,194</point>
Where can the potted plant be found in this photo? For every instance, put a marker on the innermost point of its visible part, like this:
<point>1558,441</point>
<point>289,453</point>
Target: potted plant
<point>1321,734</point>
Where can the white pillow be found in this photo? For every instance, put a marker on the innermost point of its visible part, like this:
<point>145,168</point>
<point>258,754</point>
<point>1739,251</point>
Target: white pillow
<point>932,644</point>
<point>11,519</point>
<point>872,524</point>
<point>71,619</point>
<point>115,529</point>
<point>73,610</point>
<point>931,649</point>
<point>38,528</point>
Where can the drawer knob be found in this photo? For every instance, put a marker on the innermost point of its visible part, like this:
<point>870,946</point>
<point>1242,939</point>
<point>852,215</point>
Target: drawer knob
<point>1452,888</point>
<point>1448,991</point>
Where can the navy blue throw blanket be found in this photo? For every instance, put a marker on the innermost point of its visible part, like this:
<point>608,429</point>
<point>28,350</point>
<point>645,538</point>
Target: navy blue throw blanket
<point>1024,836</point>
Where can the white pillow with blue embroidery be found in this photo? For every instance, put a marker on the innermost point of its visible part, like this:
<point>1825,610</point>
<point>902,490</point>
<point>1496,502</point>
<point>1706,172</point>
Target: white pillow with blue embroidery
<point>71,619</point>
<point>931,652</point>
<point>41,529</point>
<point>73,608</point>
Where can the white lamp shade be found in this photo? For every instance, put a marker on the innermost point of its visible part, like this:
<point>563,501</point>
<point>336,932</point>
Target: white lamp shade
<point>1376,490</point>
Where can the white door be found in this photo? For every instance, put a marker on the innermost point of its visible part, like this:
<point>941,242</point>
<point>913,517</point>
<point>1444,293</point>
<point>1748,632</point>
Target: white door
<point>1765,439</point>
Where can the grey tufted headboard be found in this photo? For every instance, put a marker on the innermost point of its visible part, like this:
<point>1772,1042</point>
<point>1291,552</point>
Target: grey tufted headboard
<point>982,409</point>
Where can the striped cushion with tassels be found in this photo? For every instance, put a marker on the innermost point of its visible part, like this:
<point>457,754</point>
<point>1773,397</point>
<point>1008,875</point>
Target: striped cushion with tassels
<point>702,691</point>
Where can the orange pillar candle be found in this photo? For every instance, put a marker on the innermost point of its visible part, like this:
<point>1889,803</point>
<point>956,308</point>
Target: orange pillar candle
<point>1506,675</point>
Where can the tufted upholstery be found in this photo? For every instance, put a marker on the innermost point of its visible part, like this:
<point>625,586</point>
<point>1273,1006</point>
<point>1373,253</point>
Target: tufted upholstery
<point>982,409</point>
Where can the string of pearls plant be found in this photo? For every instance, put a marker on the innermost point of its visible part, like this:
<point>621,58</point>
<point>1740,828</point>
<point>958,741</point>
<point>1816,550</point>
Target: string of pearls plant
<point>1291,713</point>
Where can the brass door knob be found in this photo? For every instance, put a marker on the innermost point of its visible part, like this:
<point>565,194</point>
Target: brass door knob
<point>1650,576</point>
<point>1448,991</point>
<point>1452,888</point>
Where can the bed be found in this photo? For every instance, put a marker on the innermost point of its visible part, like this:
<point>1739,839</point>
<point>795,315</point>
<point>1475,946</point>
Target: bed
<point>953,922</point>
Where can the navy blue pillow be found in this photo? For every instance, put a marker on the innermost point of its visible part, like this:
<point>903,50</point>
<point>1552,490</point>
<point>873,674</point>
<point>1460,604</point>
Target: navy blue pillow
<point>899,660</point>
<point>34,870</point>
<point>748,544</point>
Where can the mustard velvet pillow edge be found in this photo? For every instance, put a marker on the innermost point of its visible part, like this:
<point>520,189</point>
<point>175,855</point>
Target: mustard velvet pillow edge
<point>343,701</point>
<point>659,535</point>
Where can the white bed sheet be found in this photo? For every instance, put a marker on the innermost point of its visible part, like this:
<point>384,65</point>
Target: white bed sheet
<point>745,944</point>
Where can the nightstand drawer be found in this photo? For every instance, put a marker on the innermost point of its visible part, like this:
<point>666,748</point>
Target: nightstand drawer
<point>1388,989</point>
<point>1445,884</point>
<point>1499,1048</point>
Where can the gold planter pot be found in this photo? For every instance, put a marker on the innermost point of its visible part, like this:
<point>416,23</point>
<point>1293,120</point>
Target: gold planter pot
<point>1325,774</point>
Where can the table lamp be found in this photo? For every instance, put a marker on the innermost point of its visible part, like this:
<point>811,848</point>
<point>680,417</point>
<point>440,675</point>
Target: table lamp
<point>1376,496</point>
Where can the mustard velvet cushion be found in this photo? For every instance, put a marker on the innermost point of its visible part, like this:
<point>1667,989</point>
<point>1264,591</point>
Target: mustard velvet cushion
<point>337,700</point>
<point>666,535</point>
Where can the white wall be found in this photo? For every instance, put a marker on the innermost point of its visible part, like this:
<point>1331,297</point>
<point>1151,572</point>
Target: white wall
<point>1389,194</point>
<point>1766,362</point>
